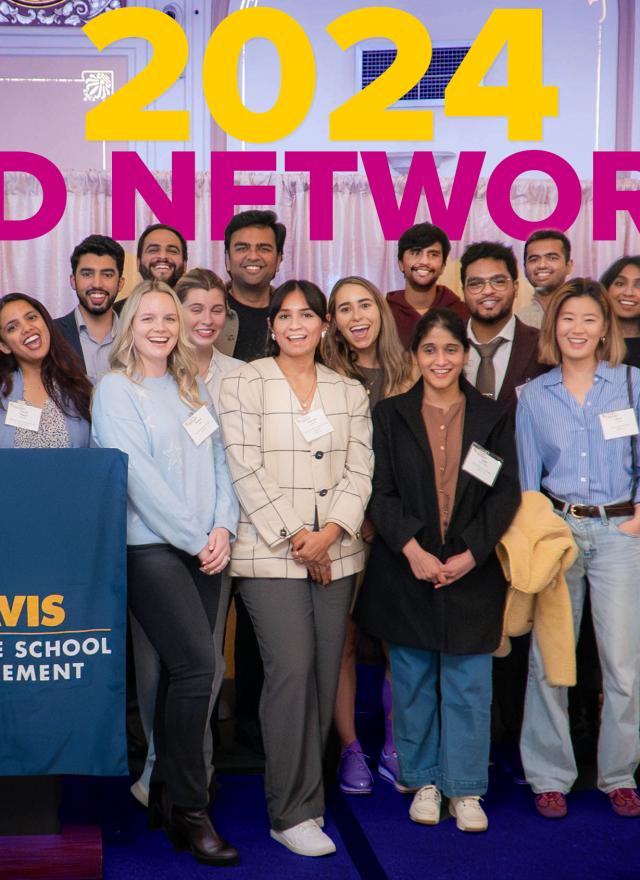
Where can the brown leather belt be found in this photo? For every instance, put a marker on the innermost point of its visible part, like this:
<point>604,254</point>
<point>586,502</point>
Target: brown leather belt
<point>580,511</point>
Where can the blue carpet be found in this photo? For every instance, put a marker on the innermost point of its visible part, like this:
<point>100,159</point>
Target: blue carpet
<point>240,814</point>
<point>374,836</point>
<point>590,844</point>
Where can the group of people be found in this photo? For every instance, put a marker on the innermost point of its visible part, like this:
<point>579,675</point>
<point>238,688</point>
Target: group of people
<point>246,413</point>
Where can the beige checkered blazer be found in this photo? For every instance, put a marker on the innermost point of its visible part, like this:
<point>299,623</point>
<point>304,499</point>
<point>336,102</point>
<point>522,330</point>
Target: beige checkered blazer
<point>282,480</point>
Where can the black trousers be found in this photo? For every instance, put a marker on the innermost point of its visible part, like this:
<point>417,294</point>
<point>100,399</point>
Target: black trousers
<point>176,605</point>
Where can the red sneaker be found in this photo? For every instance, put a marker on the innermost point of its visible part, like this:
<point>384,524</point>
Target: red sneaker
<point>551,804</point>
<point>625,802</point>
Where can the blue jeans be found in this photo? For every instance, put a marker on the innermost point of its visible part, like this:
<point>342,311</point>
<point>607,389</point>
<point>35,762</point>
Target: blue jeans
<point>609,561</point>
<point>442,742</point>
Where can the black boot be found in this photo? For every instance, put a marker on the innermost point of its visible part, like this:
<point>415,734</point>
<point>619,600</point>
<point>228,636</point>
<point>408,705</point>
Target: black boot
<point>191,830</point>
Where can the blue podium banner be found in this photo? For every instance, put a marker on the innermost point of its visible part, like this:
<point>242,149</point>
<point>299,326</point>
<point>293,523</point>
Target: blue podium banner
<point>63,612</point>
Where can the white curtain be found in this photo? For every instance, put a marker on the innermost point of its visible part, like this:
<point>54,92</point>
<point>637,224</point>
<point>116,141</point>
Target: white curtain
<point>41,266</point>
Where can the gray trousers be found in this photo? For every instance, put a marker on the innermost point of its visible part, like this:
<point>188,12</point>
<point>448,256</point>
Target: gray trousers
<point>147,667</point>
<point>300,627</point>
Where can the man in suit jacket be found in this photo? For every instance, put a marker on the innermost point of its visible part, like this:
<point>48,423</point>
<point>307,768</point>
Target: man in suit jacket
<point>489,274</point>
<point>97,264</point>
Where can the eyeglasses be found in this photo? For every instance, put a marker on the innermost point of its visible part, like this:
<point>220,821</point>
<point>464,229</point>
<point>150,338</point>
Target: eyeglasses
<point>496,282</point>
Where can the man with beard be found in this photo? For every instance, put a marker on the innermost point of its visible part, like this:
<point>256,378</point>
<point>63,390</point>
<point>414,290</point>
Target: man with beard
<point>96,276</point>
<point>504,350</point>
<point>253,249</point>
<point>547,264</point>
<point>422,255</point>
<point>162,254</point>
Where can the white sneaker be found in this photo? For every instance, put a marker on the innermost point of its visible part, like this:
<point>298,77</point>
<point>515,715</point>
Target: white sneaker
<point>306,839</point>
<point>468,813</point>
<point>425,807</point>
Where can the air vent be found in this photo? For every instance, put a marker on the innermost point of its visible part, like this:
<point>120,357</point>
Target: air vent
<point>445,60</point>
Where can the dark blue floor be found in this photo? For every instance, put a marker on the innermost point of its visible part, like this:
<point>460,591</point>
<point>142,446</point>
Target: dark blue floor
<point>374,837</point>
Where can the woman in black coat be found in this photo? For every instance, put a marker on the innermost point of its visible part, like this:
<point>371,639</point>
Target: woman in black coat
<point>445,490</point>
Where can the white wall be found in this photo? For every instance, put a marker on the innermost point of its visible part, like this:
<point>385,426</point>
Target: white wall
<point>570,61</point>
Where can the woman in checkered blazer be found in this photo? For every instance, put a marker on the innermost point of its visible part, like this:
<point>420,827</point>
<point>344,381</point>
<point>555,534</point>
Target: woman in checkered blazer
<point>298,441</point>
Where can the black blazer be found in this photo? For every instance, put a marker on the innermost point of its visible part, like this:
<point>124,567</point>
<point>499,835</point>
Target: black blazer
<point>523,363</point>
<point>69,329</point>
<point>466,616</point>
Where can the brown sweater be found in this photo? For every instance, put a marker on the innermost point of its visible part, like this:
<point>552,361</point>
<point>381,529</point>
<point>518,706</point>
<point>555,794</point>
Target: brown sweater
<point>444,431</point>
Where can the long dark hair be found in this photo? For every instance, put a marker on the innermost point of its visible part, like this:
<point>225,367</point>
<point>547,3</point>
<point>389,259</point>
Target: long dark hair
<point>316,300</point>
<point>609,275</point>
<point>62,374</point>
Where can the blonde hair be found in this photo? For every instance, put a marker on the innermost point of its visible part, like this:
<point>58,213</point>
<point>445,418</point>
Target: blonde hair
<point>203,279</point>
<point>180,363</point>
<point>394,360</point>
<point>611,350</point>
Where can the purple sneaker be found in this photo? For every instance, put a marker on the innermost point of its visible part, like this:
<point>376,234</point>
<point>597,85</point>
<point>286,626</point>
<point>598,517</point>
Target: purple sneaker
<point>353,773</point>
<point>389,770</point>
<point>388,766</point>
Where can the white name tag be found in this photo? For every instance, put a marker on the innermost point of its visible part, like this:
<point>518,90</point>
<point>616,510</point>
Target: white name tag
<point>313,425</point>
<point>200,425</point>
<point>482,464</point>
<point>621,423</point>
<point>23,415</point>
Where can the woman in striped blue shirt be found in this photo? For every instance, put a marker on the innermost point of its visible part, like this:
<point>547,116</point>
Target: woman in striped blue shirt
<point>577,435</point>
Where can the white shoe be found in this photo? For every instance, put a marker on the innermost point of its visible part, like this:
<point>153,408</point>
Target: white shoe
<point>468,813</point>
<point>140,792</point>
<point>306,839</point>
<point>425,807</point>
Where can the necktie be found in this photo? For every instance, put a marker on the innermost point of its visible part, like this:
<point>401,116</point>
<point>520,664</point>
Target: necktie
<point>486,378</point>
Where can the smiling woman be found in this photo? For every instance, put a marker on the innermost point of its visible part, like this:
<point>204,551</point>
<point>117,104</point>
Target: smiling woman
<point>44,394</point>
<point>205,310</point>
<point>622,283</point>
<point>181,516</point>
<point>298,437</point>
<point>578,442</point>
<point>438,518</point>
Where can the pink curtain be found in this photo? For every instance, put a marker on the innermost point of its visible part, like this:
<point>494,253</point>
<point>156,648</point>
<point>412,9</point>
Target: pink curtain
<point>41,266</point>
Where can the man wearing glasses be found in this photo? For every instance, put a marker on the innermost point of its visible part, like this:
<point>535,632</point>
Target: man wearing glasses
<point>504,350</point>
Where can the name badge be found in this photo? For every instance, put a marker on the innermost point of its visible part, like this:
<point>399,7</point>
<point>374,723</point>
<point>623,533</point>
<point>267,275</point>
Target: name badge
<point>200,425</point>
<point>314,425</point>
<point>482,464</point>
<point>621,423</point>
<point>23,415</point>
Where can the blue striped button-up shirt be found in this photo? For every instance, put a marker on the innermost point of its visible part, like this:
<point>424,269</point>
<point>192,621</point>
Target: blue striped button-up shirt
<point>561,445</point>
